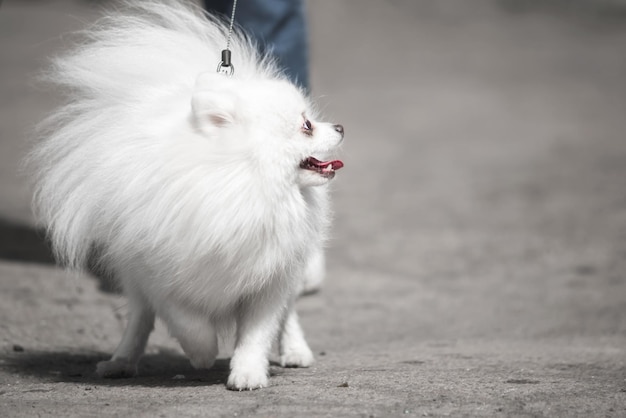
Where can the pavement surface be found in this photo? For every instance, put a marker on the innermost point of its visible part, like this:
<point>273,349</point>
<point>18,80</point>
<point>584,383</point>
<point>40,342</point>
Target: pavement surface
<point>478,261</point>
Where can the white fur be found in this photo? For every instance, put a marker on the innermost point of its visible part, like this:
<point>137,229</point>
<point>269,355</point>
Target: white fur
<point>188,184</point>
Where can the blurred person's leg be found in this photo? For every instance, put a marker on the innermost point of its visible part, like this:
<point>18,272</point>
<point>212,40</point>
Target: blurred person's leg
<point>280,28</point>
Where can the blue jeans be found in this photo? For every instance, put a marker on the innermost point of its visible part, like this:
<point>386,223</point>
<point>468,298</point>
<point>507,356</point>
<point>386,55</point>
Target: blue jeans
<point>280,28</point>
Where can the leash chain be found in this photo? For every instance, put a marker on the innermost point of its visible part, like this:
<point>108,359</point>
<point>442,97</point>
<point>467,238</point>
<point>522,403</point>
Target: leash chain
<point>225,66</point>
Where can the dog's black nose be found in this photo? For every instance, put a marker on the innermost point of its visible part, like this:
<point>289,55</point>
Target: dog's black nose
<point>339,128</point>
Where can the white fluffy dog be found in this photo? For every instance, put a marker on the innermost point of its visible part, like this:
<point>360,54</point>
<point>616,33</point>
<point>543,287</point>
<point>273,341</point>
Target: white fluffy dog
<point>204,194</point>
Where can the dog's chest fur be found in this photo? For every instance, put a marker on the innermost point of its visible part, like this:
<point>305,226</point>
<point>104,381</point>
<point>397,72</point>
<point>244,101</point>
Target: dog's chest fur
<point>262,246</point>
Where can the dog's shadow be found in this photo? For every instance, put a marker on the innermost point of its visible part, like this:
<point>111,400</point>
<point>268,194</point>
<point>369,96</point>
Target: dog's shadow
<point>165,369</point>
<point>20,242</point>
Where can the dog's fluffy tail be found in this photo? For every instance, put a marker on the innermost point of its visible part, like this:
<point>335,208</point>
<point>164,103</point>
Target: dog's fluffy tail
<point>132,58</point>
<point>150,42</point>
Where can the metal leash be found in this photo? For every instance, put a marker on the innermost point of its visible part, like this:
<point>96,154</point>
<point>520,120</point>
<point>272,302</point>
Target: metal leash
<point>225,66</point>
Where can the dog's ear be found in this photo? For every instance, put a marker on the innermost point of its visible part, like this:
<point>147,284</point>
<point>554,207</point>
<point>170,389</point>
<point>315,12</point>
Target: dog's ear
<point>213,104</point>
<point>213,109</point>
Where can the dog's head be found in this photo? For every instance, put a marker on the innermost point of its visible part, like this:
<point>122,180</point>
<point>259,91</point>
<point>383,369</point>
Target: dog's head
<point>271,121</point>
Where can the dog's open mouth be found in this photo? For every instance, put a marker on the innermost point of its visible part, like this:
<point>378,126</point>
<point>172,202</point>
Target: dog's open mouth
<point>323,168</point>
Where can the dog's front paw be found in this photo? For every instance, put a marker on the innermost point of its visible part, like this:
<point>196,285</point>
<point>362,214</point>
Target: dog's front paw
<point>247,380</point>
<point>300,357</point>
<point>114,369</point>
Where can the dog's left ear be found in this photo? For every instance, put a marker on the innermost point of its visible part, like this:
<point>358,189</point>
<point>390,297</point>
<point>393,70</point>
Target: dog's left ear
<point>213,106</point>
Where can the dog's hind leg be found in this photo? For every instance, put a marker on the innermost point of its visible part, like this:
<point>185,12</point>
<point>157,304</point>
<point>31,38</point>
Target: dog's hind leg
<point>195,333</point>
<point>126,356</point>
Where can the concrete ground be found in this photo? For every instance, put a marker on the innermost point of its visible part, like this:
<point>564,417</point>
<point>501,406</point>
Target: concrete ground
<point>478,266</point>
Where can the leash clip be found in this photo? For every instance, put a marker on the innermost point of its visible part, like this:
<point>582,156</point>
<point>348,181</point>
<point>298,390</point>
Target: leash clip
<point>225,66</point>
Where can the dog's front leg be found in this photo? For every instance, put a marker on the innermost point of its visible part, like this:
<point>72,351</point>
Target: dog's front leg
<point>294,350</point>
<point>257,324</point>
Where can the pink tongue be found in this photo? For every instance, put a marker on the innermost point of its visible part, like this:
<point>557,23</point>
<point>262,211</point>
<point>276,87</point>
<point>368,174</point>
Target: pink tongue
<point>335,164</point>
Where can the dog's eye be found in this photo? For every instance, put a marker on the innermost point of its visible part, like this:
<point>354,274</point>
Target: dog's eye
<point>307,125</point>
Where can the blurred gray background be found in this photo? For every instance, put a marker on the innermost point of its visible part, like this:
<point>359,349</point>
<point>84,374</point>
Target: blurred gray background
<point>478,260</point>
